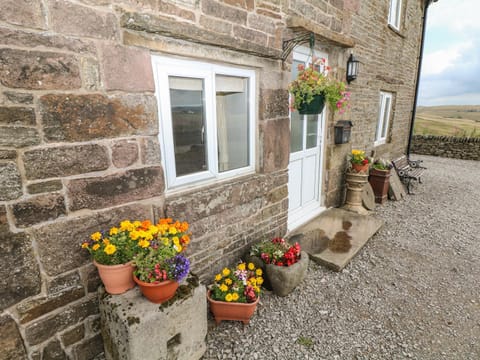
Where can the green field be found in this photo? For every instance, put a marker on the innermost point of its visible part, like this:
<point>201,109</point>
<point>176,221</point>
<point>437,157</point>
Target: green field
<point>459,121</point>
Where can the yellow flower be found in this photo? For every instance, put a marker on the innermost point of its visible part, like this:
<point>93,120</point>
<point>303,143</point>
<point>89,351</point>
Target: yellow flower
<point>95,247</point>
<point>241,266</point>
<point>251,266</point>
<point>253,281</point>
<point>110,249</point>
<point>259,280</point>
<point>228,281</point>
<point>179,248</point>
<point>235,296</point>
<point>96,236</point>
<point>126,226</point>
<point>223,287</point>
<point>226,272</point>
<point>218,277</point>
<point>176,240</point>
<point>256,289</point>
<point>153,229</point>
<point>85,245</point>
<point>229,297</point>
<point>113,231</point>
<point>137,224</point>
<point>144,243</point>
<point>134,235</point>
<point>165,241</point>
<point>258,272</point>
<point>172,230</point>
<point>106,241</point>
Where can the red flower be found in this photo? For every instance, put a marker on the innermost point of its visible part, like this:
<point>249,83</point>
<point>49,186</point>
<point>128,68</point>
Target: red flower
<point>365,161</point>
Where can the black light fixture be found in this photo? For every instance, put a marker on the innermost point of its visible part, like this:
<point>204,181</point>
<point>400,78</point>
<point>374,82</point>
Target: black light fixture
<point>352,68</point>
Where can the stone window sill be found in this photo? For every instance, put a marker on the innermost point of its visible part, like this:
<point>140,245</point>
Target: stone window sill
<point>398,32</point>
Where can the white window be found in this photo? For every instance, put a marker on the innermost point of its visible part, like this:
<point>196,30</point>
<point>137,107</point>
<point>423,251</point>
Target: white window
<point>383,118</point>
<point>395,13</point>
<point>207,117</point>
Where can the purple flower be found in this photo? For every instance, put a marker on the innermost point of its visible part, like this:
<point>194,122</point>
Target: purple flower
<point>178,267</point>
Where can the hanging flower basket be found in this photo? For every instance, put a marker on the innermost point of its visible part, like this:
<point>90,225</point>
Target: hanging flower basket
<point>316,106</point>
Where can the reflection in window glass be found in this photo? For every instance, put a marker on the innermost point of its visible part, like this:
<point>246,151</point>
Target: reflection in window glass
<point>312,131</point>
<point>232,122</point>
<point>188,123</point>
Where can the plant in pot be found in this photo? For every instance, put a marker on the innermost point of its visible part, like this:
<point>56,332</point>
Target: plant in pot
<point>359,161</point>
<point>285,265</point>
<point>315,86</point>
<point>112,252</point>
<point>235,293</point>
<point>379,178</point>
<point>162,265</point>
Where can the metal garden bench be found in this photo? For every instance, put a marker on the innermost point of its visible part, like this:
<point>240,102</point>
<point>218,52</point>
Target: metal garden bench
<point>408,170</point>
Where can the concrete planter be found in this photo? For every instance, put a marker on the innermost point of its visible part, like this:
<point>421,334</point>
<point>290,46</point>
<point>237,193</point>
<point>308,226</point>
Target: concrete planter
<point>284,279</point>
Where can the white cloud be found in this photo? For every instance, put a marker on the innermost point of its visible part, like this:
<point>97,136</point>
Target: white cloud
<point>442,60</point>
<point>456,15</point>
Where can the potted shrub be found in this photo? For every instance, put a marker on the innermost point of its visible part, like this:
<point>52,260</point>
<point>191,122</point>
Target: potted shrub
<point>235,293</point>
<point>285,265</point>
<point>162,265</point>
<point>359,161</point>
<point>315,86</point>
<point>112,252</point>
<point>379,178</point>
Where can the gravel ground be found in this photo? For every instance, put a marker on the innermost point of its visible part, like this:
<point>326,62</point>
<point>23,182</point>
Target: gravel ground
<point>411,293</point>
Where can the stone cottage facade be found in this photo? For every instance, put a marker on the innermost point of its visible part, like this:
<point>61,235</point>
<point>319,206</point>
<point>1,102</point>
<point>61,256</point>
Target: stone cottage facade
<point>107,112</point>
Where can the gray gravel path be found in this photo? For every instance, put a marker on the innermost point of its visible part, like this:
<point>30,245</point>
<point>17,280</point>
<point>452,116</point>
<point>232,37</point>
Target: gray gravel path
<point>411,293</point>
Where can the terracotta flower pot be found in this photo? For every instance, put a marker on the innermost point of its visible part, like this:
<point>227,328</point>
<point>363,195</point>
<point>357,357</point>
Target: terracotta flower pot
<point>116,278</point>
<point>157,292</point>
<point>380,181</point>
<point>360,167</point>
<point>223,310</point>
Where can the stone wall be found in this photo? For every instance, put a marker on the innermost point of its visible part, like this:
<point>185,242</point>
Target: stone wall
<point>79,147</point>
<point>447,146</point>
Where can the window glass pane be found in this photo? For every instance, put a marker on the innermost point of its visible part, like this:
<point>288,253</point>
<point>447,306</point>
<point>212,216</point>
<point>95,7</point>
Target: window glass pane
<point>188,123</point>
<point>232,122</point>
<point>380,116</point>
<point>296,131</point>
<point>312,131</point>
<point>385,116</point>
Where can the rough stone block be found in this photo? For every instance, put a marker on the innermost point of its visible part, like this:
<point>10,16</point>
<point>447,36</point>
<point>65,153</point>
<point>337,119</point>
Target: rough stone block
<point>42,329</point>
<point>275,135</point>
<point>284,279</point>
<point>59,243</point>
<point>90,73</point>
<point>69,18</point>
<point>8,154</point>
<point>28,13</point>
<point>63,283</point>
<point>38,70</point>
<point>18,97</point>
<point>17,116</point>
<point>18,136</point>
<point>65,161</point>
<point>125,68</point>
<point>11,341</point>
<point>147,331</point>
<point>218,10</point>
<point>45,186</point>
<point>87,117</point>
<point>124,187</point>
<point>53,351</point>
<point>38,209</point>
<point>10,182</point>
<point>124,153</point>
<point>89,348</point>
<point>74,335</point>
<point>150,151</point>
<point>273,103</point>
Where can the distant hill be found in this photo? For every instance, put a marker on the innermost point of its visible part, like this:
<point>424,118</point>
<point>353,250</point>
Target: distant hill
<point>452,120</point>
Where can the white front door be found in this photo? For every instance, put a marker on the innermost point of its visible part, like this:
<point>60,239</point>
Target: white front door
<point>306,157</point>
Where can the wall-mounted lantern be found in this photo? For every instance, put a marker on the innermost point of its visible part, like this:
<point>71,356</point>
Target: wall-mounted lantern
<point>343,129</point>
<point>352,68</point>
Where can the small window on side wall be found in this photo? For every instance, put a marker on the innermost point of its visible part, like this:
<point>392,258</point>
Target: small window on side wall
<point>395,14</point>
<point>384,112</point>
<point>206,120</point>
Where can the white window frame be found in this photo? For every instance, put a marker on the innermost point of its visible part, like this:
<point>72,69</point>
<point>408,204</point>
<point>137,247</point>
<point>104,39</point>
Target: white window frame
<point>163,67</point>
<point>383,117</point>
<point>395,14</point>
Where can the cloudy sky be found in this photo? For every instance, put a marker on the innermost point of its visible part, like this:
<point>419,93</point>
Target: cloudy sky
<point>451,62</point>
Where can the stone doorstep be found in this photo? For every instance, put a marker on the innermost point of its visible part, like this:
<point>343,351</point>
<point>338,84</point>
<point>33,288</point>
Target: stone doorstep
<point>350,229</point>
<point>133,328</point>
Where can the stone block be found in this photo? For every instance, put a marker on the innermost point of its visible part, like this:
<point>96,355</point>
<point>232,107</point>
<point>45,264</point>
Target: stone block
<point>8,154</point>
<point>123,187</point>
<point>91,278</point>
<point>87,117</point>
<point>150,151</point>
<point>64,282</point>
<point>72,19</point>
<point>18,97</point>
<point>273,103</point>
<point>65,161</point>
<point>58,244</point>
<point>89,348</point>
<point>19,273</point>
<point>17,116</point>
<point>18,136</point>
<point>215,24</point>
<point>90,73</point>
<point>253,36</point>
<point>11,341</point>
<point>38,209</point>
<point>53,351</point>
<point>148,331</point>
<point>118,63</point>
<point>275,135</point>
<point>27,13</point>
<point>124,153</point>
<point>227,13</point>
<point>10,182</point>
<point>45,186</point>
<point>32,309</point>
<point>284,279</point>
<point>38,70</point>
<point>44,328</point>
<point>74,335</point>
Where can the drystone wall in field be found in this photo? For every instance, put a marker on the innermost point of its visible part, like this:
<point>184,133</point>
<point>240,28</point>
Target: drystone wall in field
<point>447,146</point>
